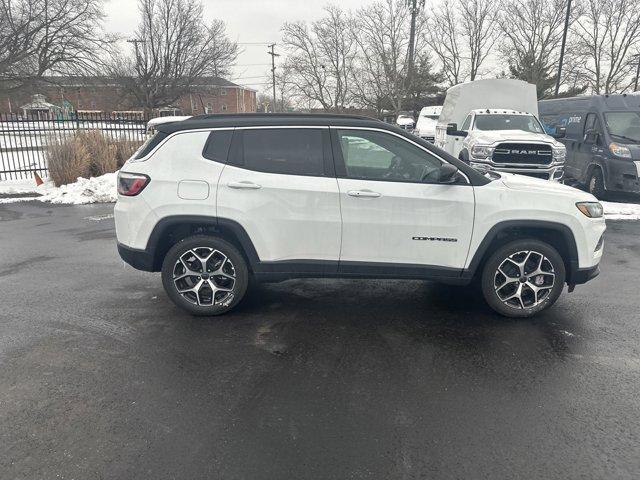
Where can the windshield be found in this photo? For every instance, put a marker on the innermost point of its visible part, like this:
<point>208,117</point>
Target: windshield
<point>526,123</point>
<point>624,125</point>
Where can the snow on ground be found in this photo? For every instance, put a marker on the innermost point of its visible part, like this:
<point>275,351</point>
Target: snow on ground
<point>621,211</point>
<point>85,190</point>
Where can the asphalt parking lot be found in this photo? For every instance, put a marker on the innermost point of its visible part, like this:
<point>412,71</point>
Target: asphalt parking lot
<point>101,377</point>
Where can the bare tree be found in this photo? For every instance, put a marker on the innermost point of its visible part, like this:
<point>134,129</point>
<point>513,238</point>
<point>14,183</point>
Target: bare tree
<point>173,49</point>
<point>444,38</point>
<point>41,38</point>
<point>382,32</point>
<point>320,59</point>
<point>607,32</point>
<point>478,21</point>
<point>532,30</point>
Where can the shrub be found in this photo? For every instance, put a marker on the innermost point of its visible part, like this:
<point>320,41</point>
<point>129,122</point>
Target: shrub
<point>101,149</point>
<point>67,160</point>
<point>87,153</point>
<point>124,149</point>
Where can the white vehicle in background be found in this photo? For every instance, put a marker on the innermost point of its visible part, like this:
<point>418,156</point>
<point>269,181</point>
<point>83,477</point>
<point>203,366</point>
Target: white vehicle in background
<point>405,122</point>
<point>427,123</point>
<point>493,125</point>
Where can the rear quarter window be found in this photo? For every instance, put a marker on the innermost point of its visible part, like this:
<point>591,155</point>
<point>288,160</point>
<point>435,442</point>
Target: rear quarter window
<point>217,146</point>
<point>151,143</point>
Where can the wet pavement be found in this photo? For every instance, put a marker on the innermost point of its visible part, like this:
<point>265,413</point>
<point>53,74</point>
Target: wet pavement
<point>101,377</point>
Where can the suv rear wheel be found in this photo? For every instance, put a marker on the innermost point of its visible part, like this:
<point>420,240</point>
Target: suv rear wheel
<point>205,275</point>
<point>523,278</point>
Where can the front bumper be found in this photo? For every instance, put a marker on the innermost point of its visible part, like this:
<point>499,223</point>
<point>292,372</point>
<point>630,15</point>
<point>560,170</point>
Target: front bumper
<point>623,175</point>
<point>546,172</point>
<point>583,275</point>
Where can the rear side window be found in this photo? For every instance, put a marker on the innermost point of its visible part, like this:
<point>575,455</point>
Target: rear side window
<point>217,146</point>
<point>292,151</point>
<point>151,143</point>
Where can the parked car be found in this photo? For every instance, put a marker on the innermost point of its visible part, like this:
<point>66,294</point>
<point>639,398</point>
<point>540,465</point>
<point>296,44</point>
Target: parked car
<point>405,122</point>
<point>493,125</point>
<point>213,201</point>
<point>427,122</point>
<point>154,122</point>
<point>602,140</point>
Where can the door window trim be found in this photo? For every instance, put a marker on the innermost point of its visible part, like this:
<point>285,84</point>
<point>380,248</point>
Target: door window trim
<point>341,169</point>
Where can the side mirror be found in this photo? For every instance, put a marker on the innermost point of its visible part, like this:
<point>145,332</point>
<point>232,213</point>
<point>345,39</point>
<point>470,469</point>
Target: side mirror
<point>591,136</point>
<point>561,132</point>
<point>452,129</point>
<point>447,173</point>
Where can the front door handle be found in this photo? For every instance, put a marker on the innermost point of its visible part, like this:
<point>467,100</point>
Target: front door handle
<point>363,193</point>
<point>244,185</point>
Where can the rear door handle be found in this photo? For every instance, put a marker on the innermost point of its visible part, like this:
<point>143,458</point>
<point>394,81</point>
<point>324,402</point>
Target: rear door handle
<point>363,193</point>
<point>244,185</point>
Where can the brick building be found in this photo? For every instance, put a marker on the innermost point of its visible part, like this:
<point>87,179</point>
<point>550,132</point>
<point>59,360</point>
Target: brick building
<point>101,95</point>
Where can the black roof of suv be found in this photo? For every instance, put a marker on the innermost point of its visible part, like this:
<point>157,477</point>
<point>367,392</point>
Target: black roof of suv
<point>316,119</point>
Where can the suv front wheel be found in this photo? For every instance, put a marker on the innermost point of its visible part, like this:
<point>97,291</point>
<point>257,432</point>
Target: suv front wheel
<point>205,275</point>
<point>523,278</point>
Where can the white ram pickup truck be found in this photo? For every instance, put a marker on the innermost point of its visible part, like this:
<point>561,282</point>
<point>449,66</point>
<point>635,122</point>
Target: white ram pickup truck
<point>499,129</point>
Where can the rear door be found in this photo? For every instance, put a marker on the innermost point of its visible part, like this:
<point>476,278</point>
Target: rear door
<point>279,185</point>
<point>393,220</point>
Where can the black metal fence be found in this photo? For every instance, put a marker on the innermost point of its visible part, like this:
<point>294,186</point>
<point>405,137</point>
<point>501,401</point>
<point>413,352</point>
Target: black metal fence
<point>24,140</point>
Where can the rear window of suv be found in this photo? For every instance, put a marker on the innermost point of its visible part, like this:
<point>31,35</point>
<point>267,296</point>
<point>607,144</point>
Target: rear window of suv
<point>292,151</point>
<point>151,143</point>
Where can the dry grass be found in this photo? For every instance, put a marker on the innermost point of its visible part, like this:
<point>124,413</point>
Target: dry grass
<point>85,154</point>
<point>67,160</point>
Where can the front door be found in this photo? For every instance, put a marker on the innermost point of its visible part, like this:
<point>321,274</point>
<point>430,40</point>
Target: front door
<point>589,150</point>
<point>393,214</point>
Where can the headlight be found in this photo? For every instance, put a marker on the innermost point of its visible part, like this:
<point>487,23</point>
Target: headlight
<point>591,209</point>
<point>559,154</point>
<point>619,150</point>
<point>481,151</point>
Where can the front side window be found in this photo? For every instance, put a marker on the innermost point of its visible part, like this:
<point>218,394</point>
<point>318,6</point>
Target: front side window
<point>624,125</point>
<point>373,155</point>
<point>526,123</point>
<point>292,151</point>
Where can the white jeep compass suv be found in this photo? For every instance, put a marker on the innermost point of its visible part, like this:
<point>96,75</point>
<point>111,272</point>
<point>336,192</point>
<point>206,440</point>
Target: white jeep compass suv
<point>213,201</point>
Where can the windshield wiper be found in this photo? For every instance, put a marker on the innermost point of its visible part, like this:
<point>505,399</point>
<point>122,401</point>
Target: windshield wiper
<point>634,140</point>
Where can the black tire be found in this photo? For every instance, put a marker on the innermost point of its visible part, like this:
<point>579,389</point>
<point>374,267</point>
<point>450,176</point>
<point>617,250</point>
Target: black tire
<point>518,308</point>
<point>209,302</point>
<point>595,184</point>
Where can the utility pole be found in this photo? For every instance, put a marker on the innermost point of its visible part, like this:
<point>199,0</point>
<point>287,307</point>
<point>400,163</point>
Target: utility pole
<point>564,42</point>
<point>415,5</point>
<point>635,87</point>
<point>273,73</point>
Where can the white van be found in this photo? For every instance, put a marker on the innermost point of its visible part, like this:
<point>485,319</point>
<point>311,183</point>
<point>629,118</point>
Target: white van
<point>427,123</point>
<point>493,125</point>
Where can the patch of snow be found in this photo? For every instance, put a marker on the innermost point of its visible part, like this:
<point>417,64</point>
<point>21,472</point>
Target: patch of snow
<point>621,211</point>
<point>100,189</point>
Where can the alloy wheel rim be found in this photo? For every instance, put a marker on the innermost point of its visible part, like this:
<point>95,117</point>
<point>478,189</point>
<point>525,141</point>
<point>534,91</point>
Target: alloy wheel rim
<point>205,276</point>
<point>524,279</point>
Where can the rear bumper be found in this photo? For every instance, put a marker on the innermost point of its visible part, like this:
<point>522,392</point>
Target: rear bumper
<point>138,259</point>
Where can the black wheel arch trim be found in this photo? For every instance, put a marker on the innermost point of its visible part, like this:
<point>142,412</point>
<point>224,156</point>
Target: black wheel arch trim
<point>492,234</point>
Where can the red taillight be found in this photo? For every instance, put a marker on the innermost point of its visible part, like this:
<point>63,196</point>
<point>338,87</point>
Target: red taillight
<point>131,184</point>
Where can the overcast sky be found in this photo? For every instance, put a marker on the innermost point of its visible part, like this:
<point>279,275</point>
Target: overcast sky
<point>248,21</point>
